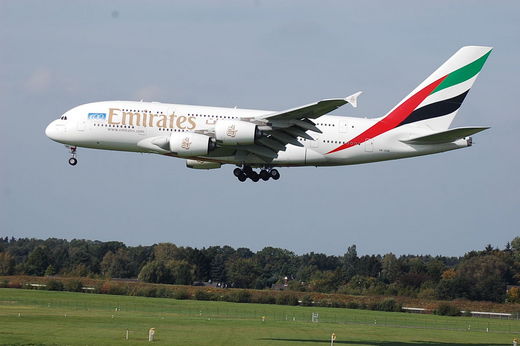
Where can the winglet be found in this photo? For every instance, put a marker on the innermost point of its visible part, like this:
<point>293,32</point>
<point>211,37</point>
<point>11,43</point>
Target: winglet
<point>352,99</point>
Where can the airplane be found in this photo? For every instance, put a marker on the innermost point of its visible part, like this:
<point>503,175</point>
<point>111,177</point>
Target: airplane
<point>209,137</point>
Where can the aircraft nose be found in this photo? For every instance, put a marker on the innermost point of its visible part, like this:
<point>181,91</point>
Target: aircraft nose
<point>55,131</point>
<point>50,131</point>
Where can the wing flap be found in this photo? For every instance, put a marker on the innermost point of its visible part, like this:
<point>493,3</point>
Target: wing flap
<point>286,138</point>
<point>448,136</point>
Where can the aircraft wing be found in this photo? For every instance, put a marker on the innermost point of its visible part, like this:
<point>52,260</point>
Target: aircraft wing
<point>313,110</point>
<point>282,128</point>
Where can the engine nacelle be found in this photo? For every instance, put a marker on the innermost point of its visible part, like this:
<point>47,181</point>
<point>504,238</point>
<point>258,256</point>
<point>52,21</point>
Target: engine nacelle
<point>233,132</point>
<point>191,144</point>
<point>196,164</point>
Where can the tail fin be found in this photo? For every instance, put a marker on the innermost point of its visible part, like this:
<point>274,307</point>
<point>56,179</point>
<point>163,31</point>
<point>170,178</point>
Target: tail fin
<point>435,101</point>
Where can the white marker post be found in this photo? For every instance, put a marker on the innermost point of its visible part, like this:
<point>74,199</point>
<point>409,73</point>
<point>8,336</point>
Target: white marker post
<point>151,334</point>
<point>332,339</point>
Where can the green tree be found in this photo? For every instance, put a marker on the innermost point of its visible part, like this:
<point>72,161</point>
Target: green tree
<point>350,263</point>
<point>242,272</point>
<point>218,269</point>
<point>37,261</point>
<point>487,275</point>
<point>183,272</point>
<point>515,245</point>
<point>6,263</point>
<point>156,272</point>
<point>390,268</point>
<point>165,252</point>
<point>115,265</point>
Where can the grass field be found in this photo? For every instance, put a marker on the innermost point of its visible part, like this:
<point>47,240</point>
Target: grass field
<point>44,317</point>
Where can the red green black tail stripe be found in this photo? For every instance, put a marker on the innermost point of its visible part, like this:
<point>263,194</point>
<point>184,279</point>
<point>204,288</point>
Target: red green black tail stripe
<point>437,109</point>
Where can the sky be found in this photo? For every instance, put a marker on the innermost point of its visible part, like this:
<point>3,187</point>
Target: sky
<point>275,55</point>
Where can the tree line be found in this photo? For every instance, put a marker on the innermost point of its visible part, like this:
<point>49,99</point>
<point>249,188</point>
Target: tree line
<point>478,275</point>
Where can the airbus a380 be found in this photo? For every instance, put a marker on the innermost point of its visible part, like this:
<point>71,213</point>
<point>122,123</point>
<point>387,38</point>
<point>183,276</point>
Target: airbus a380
<point>208,137</point>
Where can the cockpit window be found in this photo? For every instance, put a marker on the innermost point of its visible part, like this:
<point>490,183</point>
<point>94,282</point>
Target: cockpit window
<point>63,117</point>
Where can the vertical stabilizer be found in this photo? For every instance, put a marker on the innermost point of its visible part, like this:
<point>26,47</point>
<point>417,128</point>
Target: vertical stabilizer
<point>435,101</point>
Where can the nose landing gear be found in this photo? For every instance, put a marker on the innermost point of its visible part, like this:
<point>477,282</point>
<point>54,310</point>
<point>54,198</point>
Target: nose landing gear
<point>247,172</point>
<point>73,160</point>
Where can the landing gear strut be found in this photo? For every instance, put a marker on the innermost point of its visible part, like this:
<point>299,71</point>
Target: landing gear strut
<point>73,160</point>
<point>247,172</point>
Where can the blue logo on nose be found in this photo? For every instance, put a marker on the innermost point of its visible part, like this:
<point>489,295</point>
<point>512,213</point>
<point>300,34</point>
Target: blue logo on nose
<point>101,116</point>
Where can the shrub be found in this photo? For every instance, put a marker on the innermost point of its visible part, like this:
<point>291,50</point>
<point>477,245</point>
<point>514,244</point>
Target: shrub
<point>241,296</point>
<point>54,285</point>
<point>163,292</point>
<point>307,300</point>
<point>4,283</point>
<point>373,306</point>
<point>352,305</point>
<point>149,292</point>
<point>427,293</point>
<point>389,305</point>
<point>203,295</point>
<point>266,299</point>
<point>287,299</point>
<point>181,294</point>
<point>14,284</point>
<point>322,303</point>
<point>73,286</point>
<point>447,310</point>
<point>118,290</point>
<point>338,304</point>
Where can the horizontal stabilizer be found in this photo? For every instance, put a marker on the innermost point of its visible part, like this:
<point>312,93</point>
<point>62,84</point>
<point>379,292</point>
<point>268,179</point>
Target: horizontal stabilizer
<point>448,136</point>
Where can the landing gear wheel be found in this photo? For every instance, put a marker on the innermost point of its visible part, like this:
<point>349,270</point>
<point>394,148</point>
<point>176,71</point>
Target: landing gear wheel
<point>264,175</point>
<point>274,174</point>
<point>242,177</point>
<point>73,161</point>
<point>237,172</point>
<point>253,176</point>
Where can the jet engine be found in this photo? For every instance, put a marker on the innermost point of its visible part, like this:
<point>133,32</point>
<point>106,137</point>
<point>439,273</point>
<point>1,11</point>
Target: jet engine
<point>236,132</point>
<point>196,164</point>
<point>191,144</point>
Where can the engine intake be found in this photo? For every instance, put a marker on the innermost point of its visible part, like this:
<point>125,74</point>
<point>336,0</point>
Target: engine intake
<point>191,144</point>
<point>236,132</point>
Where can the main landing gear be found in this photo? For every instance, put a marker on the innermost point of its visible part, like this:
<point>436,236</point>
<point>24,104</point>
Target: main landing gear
<point>247,172</point>
<point>73,160</point>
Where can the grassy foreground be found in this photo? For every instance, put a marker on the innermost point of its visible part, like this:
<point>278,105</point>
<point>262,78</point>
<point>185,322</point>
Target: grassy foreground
<point>45,317</point>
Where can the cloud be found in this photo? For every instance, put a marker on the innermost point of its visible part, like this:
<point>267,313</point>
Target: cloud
<point>39,80</point>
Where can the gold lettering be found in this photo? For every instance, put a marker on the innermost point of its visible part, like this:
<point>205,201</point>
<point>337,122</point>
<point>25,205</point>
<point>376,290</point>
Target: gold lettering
<point>162,121</point>
<point>192,122</point>
<point>111,114</point>
<point>181,120</point>
<point>172,118</point>
<point>145,116</point>
<point>150,121</point>
<point>131,117</point>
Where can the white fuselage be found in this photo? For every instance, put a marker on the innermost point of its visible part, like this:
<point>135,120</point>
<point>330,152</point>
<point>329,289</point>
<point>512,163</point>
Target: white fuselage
<point>129,126</point>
